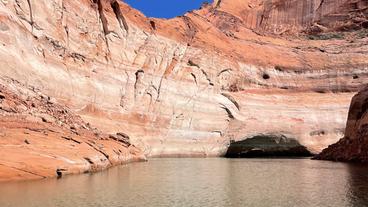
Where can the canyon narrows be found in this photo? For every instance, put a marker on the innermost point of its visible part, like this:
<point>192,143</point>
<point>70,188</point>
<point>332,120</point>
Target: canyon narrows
<point>187,86</point>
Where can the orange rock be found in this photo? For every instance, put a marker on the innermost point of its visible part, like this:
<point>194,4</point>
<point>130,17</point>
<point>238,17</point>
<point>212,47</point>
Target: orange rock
<point>34,147</point>
<point>185,86</point>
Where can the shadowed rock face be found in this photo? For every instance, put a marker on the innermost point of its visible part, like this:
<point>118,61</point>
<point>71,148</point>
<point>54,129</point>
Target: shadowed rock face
<point>186,86</point>
<point>267,146</point>
<point>354,146</point>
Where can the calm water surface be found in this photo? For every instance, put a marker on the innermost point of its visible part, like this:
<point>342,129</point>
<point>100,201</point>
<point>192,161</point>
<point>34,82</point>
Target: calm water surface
<point>202,183</point>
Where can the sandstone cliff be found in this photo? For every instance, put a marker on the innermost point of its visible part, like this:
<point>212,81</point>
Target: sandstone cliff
<point>287,16</point>
<point>187,86</point>
<point>354,146</point>
<point>41,138</point>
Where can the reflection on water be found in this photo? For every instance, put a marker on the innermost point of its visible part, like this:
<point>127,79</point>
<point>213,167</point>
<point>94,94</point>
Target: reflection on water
<point>358,181</point>
<point>201,182</point>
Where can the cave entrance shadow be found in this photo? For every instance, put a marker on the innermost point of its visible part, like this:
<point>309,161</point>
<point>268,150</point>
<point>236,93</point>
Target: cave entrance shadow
<point>267,146</point>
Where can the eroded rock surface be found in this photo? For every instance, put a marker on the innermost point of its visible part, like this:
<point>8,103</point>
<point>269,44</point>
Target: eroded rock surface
<point>188,85</point>
<point>288,16</point>
<point>40,138</point>
<point>354,146</point>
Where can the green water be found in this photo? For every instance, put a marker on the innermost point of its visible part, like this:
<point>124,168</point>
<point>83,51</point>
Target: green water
<point>200,182</point>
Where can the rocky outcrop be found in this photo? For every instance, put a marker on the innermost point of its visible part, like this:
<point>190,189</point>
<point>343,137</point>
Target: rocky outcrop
<point>41,138</point>
<point>187,86</point>
<point>354,146</point>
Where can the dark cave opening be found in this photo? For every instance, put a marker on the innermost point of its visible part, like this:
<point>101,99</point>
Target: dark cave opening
<point>267,146</point>
<point>266,76</point>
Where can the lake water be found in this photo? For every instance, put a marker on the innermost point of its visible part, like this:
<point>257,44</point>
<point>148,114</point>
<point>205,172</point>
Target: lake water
<point>200,182</point>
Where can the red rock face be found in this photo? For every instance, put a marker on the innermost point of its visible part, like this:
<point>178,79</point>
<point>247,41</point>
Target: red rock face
<point>285,16</point>
<point>187,86</point>
<point>354,146</point>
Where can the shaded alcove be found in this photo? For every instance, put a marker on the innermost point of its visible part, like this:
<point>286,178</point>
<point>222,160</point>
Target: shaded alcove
<point>267,146</point>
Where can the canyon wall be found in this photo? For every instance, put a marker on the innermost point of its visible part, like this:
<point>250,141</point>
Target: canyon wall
<point>354,146</point>
<point>187,86</point>
<point>40,138</point>
<point>286,16</point>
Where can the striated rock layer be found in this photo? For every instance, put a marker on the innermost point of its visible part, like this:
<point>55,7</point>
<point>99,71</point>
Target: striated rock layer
<point>285,16</point>
<point>354,146</point>
<point>40,138</point>
<point>186,86</point>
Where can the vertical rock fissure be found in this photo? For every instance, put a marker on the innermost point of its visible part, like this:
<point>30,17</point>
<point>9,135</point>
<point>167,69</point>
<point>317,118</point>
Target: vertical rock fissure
<point>138,81</point>
<point>320,5</point>
<point>207,77</point>
<point>167,72</point>
<point>123,91</point>
<point>218,3</point>
<point>65,26</point>
<point>195,78</point>
<point>30,13</point>
<point>191,31</point>
<point>103,20</point>
<point>62,9</point>
<point>265,13</point>
<point>153,24</point>
<point>119,16</point>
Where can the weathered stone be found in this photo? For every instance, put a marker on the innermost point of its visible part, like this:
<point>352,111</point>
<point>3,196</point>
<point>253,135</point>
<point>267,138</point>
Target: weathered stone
<point>45,137</point>
<point>163,83</point>
<point>354,146</point>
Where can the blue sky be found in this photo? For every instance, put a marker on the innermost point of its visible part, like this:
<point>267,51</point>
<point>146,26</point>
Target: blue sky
<point>165,8</point>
